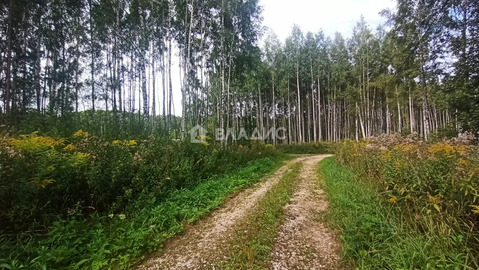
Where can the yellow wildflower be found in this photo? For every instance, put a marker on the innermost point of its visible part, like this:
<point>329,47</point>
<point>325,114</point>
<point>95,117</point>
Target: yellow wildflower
<point>475,209</point>
<point>79,133</point>
<point>203,137</point>
<point>393,199</point>
<point>80,158</point>
<point>116,142</point>
<point>132,143</point>
<point>386,156</point>
<point>45,183</point>
<point>434,199</point>
<point>405,147</point>
<point>444,148</point>
<point>69,147</point>
<point>34,142</point>
<point>463,163</point>
<point>398,165</point>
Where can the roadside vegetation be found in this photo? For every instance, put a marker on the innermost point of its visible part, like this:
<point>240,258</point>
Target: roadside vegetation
<point>307,148</point>
<point>84,202</point>
<point>402,203</point>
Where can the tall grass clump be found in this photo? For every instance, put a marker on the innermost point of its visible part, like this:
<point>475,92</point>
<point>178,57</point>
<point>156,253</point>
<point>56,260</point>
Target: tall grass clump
<point>433,187</point>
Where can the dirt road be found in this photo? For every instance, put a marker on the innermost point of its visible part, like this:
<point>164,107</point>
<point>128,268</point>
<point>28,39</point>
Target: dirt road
<point>303,241</point>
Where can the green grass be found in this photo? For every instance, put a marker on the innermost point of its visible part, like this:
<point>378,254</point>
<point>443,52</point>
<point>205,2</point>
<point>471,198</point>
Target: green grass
<point>253,243</point>
<point>374,236</point>
<point>102,241</point>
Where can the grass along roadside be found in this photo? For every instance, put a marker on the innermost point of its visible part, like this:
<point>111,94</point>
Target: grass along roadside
<point>373,235</point>
<point>252,245</point>
<point>118,241</point>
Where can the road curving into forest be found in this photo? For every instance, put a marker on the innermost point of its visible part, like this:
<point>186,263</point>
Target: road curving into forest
<point>303,241</point>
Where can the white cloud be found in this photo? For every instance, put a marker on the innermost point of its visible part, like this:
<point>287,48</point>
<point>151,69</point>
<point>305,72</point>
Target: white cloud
<point>331,16</point>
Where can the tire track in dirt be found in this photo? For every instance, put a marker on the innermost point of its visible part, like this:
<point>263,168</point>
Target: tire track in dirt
<point>205,242</point>
<point>303,241</point>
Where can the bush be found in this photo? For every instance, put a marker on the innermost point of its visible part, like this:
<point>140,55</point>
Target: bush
<point>44,177</point>
<point>434,186</point>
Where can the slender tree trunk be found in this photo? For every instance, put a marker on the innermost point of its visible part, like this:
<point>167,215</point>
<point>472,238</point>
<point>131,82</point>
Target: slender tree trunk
<point>313,105</point>
<point>38,68</point>
<point>261,114</point>
<point>411,112</point>
<point>92,63</point>
<point>187,56</point>
<point>388,120</point>
<point>425,114</point>
<point>319,111</point>
<point>289,117</point>
<point>274,114</point>
<point>163,88</point>
<point>363,131</point>
<point>300,135</point>
<point>170,87</point>
<point>9,59</point>
<point>153,82</point>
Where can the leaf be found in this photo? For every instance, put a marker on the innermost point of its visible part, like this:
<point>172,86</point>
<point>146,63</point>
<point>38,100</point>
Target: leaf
<point>80,263</point>
<point>437,207</point>
<point>5,265</point>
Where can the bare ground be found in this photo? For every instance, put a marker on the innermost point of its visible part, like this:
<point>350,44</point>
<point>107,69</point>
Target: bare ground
<point>304,242</point>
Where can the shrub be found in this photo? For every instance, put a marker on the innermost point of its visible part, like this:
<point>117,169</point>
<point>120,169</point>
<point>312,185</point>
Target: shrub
<point>434,186</point>
<point>43,178</point>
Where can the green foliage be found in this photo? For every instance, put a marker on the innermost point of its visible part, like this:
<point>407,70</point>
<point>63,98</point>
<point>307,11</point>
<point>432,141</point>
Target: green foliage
<point>432,187</point>
<point>116,240</point>
<point>374,233</point>
<point>307,148</point>
<point>86,202</point>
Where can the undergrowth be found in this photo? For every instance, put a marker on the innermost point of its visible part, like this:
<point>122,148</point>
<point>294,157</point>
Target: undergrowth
<point>374,233</point>
<point>117,240</point>
<point>307,148</point>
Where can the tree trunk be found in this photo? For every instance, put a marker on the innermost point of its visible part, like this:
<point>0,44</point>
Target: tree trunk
<point>300,136</point>
<point>319,111</point>
<point>9,59</point>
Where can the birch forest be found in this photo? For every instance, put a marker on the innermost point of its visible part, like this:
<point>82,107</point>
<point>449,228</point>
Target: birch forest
<point>108,64</point>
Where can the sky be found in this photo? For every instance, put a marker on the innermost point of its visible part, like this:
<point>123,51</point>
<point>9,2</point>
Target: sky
<point>330,15</point>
